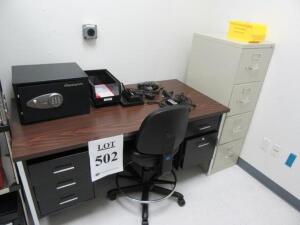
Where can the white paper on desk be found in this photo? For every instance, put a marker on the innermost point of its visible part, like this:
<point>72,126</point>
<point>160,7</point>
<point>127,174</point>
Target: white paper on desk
<point>106,156</point>
<point>103,91</point>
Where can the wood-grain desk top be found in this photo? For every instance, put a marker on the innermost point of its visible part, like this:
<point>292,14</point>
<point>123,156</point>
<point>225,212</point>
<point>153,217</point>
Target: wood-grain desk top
<point>45,138</point>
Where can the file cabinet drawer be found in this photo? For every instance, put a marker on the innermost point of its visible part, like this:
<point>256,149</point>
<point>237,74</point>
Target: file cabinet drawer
<point>199,151</point>
<point>253,65</point>
<point>244,98</point>
<point>62,187</point>
<point>227,155</point>
<point>235,127</point>
<point>60,168</point>
<point>66,199</point>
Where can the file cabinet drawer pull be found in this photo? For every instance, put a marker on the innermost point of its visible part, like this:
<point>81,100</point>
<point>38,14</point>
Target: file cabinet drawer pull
<point>203,145</point>
<point>244,101</point>
<point>229,155</point>
<point>251,68</point>
<point>63,170</point>
<point>204,128</point>
<point>237,130</point>
<point>66,185</point>
<point>69,200</point>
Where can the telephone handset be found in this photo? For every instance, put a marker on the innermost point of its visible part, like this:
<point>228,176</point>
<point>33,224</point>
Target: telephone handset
<point>129,97</point>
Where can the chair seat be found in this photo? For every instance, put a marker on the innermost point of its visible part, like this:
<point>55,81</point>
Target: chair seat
<point>145,160</point>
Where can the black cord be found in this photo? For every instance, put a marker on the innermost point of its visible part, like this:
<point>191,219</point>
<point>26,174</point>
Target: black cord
<point>180,99</point>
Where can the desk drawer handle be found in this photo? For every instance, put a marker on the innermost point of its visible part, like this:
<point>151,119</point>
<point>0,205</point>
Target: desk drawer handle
<point>64,170</point>
<point>205,128</point>
<point>66,185</point>
<point>203,145</point>
<point>69,200</point>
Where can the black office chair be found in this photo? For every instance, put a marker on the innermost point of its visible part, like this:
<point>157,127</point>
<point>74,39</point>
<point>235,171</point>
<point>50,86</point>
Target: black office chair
<point>157,142</point>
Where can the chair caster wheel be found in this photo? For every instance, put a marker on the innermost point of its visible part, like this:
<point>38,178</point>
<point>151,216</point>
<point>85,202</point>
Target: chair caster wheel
<point>181,202</point>
<point>145,222</point>
<point>111,196</point>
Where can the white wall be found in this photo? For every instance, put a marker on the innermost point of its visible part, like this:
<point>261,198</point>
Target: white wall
<point>277,115</point>
<point>150,40</point>
<point>138,39</point>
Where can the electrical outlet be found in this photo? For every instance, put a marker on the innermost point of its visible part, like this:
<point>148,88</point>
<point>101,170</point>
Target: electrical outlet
<point>265,144</point>
<point>276,150</point>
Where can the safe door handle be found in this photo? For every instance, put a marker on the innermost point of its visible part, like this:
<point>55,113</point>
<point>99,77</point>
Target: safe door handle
<point>66,185</point>
<point>203,145</point>
<point>204,128</point>
<point>69,200</point>
<point>58,171</point>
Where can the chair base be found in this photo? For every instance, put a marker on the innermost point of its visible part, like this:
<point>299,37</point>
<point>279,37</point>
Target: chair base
<point>145,189</point>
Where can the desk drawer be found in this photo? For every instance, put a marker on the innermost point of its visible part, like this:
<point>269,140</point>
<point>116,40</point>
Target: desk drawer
<point>60,168</point>
<point>58,201</point>
<point>199,151</point>
<point>203,126</point>
<point>62,187</point>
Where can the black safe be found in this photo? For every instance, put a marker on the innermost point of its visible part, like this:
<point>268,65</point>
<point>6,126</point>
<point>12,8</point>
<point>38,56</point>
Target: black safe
<point>50,91</point>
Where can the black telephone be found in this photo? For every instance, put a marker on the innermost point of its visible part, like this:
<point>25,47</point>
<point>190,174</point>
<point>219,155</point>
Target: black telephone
<point>129,97</point>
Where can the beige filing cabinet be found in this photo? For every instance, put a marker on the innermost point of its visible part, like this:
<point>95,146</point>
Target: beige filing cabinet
<point>232,73</point>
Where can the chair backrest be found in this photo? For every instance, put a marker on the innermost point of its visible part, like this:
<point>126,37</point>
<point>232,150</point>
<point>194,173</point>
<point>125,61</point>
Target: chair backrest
<point>163,130</point>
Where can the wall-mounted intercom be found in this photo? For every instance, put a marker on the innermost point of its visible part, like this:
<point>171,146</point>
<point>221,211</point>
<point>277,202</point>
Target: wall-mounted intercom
<point>89,31</point>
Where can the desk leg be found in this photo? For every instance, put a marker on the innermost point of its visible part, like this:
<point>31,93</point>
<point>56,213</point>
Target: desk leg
<point>28,193</point>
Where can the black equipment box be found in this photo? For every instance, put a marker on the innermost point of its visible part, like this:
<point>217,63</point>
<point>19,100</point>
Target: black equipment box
<point>105,88</point>
<point>50,91</point>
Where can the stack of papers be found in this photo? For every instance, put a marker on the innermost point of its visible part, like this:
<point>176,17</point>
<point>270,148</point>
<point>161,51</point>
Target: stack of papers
<point>102,91</point>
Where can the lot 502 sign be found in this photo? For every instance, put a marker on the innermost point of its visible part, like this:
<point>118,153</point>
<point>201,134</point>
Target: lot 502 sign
<point>106,156</point>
